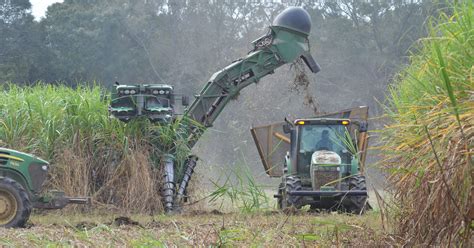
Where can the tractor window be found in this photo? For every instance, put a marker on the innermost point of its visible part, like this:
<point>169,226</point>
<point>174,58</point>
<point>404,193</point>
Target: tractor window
<point>322,137</point>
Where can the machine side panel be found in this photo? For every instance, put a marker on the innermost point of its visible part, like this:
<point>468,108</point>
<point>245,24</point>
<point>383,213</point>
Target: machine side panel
<point>272,145</point>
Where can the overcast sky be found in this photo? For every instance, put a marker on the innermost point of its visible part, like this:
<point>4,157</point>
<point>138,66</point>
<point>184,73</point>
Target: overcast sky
<point>39,7</point>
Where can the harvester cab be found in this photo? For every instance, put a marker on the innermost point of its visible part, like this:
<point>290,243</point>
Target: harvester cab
<point>153,101</point>
<point>22,177</point>
<point>324,160</point>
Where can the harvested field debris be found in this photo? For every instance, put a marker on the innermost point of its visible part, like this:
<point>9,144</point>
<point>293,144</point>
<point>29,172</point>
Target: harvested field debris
<point>257,229</point>
<point>301,84</point>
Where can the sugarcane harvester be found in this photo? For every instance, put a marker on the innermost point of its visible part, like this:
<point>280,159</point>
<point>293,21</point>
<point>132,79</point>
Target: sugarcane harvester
<point>285,42</point>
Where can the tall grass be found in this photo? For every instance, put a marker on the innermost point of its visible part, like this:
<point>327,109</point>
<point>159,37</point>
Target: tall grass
<point>429,142</point>
<point>91,154</point>
<point>240,190</point>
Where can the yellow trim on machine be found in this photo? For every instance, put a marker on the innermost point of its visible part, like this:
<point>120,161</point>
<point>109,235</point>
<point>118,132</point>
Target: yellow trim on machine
<point>11,157</point>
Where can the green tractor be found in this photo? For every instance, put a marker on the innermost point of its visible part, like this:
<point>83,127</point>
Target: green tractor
<point>324,161</point>
<point>21,188</point>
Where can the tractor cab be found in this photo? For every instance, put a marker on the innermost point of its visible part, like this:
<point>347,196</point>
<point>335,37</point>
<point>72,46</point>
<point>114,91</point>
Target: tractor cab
<point>153,101</point>
<point>325,151</point>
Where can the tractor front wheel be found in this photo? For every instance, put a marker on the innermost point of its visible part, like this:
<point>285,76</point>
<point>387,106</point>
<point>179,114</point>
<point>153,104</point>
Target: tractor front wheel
<point>15,205</point>
<point>357,204</point>
<point>291,183</point>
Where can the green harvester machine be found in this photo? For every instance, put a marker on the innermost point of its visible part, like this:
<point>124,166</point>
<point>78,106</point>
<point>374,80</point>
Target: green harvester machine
<point>285,42</point>
<point>324,159</point>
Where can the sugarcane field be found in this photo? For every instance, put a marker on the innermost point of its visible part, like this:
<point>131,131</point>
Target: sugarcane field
<point>236,123</point>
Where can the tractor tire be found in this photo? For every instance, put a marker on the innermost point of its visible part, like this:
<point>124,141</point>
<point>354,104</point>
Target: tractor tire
<point>15,205</point>
<point>292,183</point>
<point>356,204</point>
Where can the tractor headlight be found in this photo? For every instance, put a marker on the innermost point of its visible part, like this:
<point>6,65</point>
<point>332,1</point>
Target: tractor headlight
<point>44,167</point>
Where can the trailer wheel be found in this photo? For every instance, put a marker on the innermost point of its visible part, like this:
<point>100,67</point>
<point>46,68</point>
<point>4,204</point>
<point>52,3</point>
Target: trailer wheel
<point>292,183</point>
<point>15,205</point>
<point>357,204</point>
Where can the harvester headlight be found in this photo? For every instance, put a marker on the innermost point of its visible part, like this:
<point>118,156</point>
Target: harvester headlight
<point>127,92</point>
<point>345,122</point>
<point>133,92</point>
<point>300,123</point>
<point>155,92</point>
<point>44,167</point>
<point>167,92</point>
<point>162,92</point>
<point>121,92</point>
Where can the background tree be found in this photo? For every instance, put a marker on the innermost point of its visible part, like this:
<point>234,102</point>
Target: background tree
<point>21,49</point>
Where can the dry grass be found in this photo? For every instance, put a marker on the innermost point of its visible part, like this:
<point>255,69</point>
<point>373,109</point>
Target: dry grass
<point>131,183</point>
<point>429,143</point>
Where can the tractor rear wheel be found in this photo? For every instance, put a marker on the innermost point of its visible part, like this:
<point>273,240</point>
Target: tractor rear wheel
<point>292,183</point>
<point>15,205</point>
<point>357,204</point>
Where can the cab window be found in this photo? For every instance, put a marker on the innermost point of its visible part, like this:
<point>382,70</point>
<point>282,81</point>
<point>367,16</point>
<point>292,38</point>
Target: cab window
<point>321,137</point>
